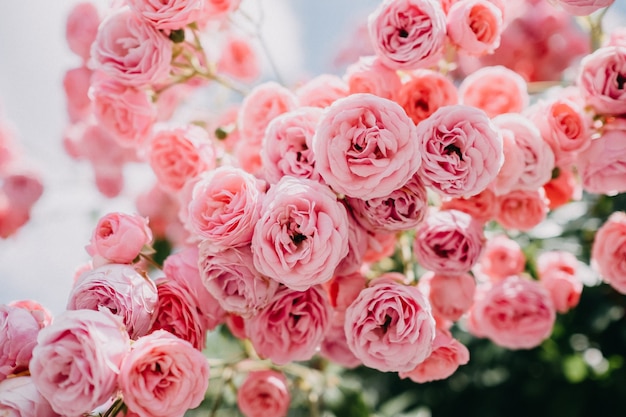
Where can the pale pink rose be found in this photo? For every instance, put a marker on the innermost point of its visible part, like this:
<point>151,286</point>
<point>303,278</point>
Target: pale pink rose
<point>19,398</point>
<point>177,155</point>
<point>248,157</point>
<point>402,209</point>
<point>461,151</point>
<point>126,112</point>
<point>515,313</point>
<point>218,9</point>
<point>23,188</point>
<point>583,7</point>
<point>449,242</point>
<point>532,149</point>
<point>76,83</point>
<point>358,242</point>
<point>292,326</point>
<point>408,34</point>
<point>119,238</point>
<point>121,289</point>
<point>365,146</point>
<point>225,206</point>
<point>496,90</point>
<point>229,275</point>
<point>370,75</point>
<point>450,295</point>
<point>557,271</point>
<point>602,166</point>
<point>390,327</point>
<point>608,253</point>
<point>163,376</point>
<point>448,354</point>
<point>562,189</point>
<point>239,59</point>
<point>424,92</point>
<point>335,345</point>
<point>162,210</point>
<point>264,393</point>
<point>475,26</point>
<point>481,206</point>
<point>167,15</point>
<point>601,80</point>
<point>513,166</point>
<point>322,91</point>
<point>260,106</point>
<point>522,209</point>
<point>502,257</point>
<point>39,312</point>
<point>287,147</point>
<point>19,328</point>
<point>302,234</point>
<point>131,50</point>
<point>81,28</point>
<point>77,358</point>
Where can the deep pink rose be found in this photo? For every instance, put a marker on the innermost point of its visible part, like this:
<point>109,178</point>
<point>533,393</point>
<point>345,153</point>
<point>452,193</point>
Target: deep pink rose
<point>557,271</point>
<point>365,146</point>
<point>19,398</point>
<point>163,376</point>
<point>131,50</point>
<point>120,288</point>
<point>76,361</point>
<point>118,238</point>
<point>461,151</point>
<point>370,75</point>
<point>288,145</point>
<point>449,242</point>
<point>408,34</point>
<point>563,189</point>
<point>390,327</point>
<point>424,92</point>
<point>81,28</point>
<point>601,80</point>
<point>583,7</point>
<point>450,295</point>
<point>263,394</point>
<point>302,234</point>
<point>19,328</point>
<point>225,206</point>
<point>167,15</point>
<point>475,26</point>
<point>608,253</point>
<point>448,354</point>
<point>521,209</point>
<point>322,91</point>
<point>516,313</point>
<point>502,257</point>
<point>481,206</point>
<point>292,326</point>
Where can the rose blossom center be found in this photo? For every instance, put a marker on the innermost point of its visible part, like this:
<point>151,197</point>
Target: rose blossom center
<point>481,23</point>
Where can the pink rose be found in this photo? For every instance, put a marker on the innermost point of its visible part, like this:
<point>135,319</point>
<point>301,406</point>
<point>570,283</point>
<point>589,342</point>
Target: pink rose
<point>76,84</point>
<point>39,312</point>
<point>19,398</point>
<point>322,91</point>
<point>448,354</point>
<point>163,376</point>
<point>521,209</point>
<point>168,15</point>
<point>178,155</point>
<point>229,275</point>
<point>602,166</point>
<point>335,345</point>
<point>601,80</point>
<point>19,328</point>
<point>513,166</point>
<point>225,206</point>
<point>264,393</point>
<point>583,7</point>
<point>390,327</point>
<point>357,247</point>
<point>461,151</point>
<point>379,246</point>
<point>370,75</point>
<point>365,146</point>
<point>516,313</point>
<point>218,9</point>
<point>292,326</point>
<point>474,26</point>
<point>302,234</point>
<point>450,296</point>
<point>131,50</point>
<point>502,257</point>
<point>402,209</point>
<point>239,59</point>
<point>408,34</point>
<point>23,188</point>
<point>608,253</point>
<point>77,359</point>
<point>81,28</point>
<point>557,271</point>
<point>118,238</point>
<point>288,145</point>
<point>481,206</point>
<point>424,92</point>
<point>162,210</point>
<point>496,90</point>
<point>342,290</point>
<point>562,189</point>
<point>121,289</point>
<point>449,242</point>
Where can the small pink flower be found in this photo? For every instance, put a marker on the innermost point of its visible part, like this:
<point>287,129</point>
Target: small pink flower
<point>408,34</point>
<point>335,345</point>
<point>562,189</point>
<point>239,59</point>
<point>342,290</point>
<point>322,91</point>
<point>522,210</point>
<point>450,296</point>
<point>474,26</point>
<point>22,188</point>
<point>19,328</point>
<point>583,7</point>
<point>41,314</point>
<point>19,398</point>
<point>481,206</point>
<point>601,80</point>
<point>163,376</point>
<point>424,92</point>
<point>557,271</point>
<point>264,393</point>
<point>358,242</point>
<point>608,253</point>
<point>81,28</point>
<point>502,257</point>
<point>390,327</point>
<point>370,75</point>
<point>76,83</point>
<point>218,9</point>
<point>513,166</point>
<point>365,146</point>
<point>118,238</point>
<point>169,14</point>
